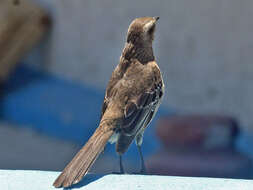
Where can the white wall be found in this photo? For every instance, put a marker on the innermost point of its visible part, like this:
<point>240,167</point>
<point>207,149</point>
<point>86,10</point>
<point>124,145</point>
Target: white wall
<point>204,48</point>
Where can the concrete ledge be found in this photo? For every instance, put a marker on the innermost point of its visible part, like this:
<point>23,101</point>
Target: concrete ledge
<point>25,179</point>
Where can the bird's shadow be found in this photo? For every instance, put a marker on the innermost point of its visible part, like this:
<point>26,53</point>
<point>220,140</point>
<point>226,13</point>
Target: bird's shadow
<point>86,180</point>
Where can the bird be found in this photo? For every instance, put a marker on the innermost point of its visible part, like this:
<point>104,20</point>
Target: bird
<point>133,95</point>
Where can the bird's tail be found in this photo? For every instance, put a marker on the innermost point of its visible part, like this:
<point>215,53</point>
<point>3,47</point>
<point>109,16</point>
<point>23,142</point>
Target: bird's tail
<point>83,160</point>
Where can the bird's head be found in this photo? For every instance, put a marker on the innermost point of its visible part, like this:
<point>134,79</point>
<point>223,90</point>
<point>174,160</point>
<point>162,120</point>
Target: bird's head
<point>141,31</point>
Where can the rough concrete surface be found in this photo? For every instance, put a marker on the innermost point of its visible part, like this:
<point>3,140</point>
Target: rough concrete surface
<point>23,180</point>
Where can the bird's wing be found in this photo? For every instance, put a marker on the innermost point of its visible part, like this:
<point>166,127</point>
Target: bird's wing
<point>141,106</point>
<point>139,113</point>
<point>138,91</point>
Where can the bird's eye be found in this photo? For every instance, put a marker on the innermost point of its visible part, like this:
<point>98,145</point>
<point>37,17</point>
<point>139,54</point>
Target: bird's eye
<point>151,30</point>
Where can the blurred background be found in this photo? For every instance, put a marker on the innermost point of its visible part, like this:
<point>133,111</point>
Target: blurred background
<point>56,58</point>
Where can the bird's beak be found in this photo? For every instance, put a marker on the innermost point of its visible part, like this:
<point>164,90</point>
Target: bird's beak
<point>156,18</point>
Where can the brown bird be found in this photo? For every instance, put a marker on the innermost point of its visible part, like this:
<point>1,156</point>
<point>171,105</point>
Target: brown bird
<point>132,98</point>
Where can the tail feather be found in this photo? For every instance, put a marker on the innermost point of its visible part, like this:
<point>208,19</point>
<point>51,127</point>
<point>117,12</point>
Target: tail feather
<point>81,163</point>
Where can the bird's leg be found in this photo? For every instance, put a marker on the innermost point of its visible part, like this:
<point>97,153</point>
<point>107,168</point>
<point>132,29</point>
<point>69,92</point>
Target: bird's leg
<point>121,165</point>
<point>121,171</point>
<point>143,167</point>
<point>138,141</point>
